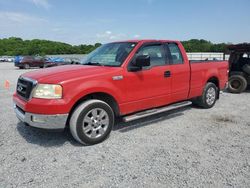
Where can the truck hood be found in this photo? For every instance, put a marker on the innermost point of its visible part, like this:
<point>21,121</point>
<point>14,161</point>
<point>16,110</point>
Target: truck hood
<point>67,73</point>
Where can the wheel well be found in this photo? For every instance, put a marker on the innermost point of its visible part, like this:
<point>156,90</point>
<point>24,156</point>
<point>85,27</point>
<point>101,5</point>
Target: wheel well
<point>100,96</point>
<point>215,81</point>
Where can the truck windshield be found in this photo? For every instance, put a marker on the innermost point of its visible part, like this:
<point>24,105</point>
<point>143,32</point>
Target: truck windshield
<point>111,54</point>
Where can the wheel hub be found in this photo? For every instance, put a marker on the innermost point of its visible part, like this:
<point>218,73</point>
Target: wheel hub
<point>95,123</point>
<point>211,96</point>
<point>235,84</point>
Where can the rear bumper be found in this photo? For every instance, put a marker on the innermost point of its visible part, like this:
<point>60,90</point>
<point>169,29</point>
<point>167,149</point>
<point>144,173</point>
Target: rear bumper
<point>51,122</point>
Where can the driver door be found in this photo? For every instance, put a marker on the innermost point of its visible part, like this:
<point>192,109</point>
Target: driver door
<point>151,86</point>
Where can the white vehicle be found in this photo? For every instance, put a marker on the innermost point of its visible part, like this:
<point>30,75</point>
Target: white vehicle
<point>2,59</point>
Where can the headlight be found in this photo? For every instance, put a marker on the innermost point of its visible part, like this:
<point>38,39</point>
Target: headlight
<point>48,91</point>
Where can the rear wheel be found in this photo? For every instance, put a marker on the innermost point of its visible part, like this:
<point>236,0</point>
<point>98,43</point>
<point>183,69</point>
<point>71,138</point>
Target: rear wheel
<point>26,66</point>
<point>91,122</point>
<point>209,96</point>
<point>237,84</point>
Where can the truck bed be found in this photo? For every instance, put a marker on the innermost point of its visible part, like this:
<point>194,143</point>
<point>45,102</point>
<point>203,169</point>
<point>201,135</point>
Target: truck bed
<point>201,70</point>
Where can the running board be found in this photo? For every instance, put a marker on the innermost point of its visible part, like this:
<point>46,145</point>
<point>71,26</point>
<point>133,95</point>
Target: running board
<point>156,111</point>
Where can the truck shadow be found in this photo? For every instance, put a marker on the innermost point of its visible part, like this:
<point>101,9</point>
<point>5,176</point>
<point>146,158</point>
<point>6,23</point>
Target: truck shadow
<point>248,89</point>
<point>46,138</point>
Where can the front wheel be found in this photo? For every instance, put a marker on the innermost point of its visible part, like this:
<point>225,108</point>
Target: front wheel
<point>91,122</point>
<point>209,96</point>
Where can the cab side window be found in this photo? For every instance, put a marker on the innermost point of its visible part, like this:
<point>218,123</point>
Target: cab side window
<point>175,54</point>
<point>156,54</point>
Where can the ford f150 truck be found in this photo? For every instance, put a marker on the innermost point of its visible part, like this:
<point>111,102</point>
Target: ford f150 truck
<point>129,79</point>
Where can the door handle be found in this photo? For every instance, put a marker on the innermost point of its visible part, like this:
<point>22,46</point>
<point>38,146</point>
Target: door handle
<point>167,74</point>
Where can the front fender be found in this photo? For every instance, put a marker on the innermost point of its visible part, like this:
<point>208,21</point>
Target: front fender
<point>75,92</point>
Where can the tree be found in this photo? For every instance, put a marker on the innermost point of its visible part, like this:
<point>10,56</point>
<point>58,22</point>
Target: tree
<point>195,45</point>
<point>16,46</point>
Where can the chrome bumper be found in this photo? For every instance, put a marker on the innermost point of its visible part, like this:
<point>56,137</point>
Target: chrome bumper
<point>51,122</point>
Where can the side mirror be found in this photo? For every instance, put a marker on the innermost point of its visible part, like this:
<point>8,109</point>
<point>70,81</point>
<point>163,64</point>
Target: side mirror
<point>139,62</point>
<point>142,61</point>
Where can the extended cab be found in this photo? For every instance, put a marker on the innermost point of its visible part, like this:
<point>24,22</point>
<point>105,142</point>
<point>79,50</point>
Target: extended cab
<point>131,79</point>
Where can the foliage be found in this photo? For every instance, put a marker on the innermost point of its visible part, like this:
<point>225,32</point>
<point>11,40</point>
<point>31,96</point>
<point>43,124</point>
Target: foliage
<point>17,46</point>
<point>195,45</point>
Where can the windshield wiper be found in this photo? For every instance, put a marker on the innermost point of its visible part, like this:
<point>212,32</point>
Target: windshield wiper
<point>93,63</point>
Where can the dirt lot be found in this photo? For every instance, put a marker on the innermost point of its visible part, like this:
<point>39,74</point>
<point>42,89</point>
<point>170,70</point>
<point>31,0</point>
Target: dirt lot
<point>185,148</point>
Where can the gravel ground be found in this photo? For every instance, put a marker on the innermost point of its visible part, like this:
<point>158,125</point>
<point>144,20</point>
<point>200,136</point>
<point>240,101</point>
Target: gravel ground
<point>190,147</point>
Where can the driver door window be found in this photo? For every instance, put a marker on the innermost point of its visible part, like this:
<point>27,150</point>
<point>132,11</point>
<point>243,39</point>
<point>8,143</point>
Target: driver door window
<point>156,54</point>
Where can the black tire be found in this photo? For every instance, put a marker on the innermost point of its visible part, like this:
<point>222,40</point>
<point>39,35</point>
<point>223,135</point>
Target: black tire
<point>92,127</point>
<point>208,100</point>
<point>237,84</point>
<point>246,69</point>
<point>26,66</point>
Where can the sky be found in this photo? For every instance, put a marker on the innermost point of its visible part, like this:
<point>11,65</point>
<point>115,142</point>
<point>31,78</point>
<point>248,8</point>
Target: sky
<point>92,21</point>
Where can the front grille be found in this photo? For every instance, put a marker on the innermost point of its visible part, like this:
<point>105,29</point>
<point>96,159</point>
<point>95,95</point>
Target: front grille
<point>24,87</point>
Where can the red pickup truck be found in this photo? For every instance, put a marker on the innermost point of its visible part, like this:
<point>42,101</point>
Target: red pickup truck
<point>129,79</point>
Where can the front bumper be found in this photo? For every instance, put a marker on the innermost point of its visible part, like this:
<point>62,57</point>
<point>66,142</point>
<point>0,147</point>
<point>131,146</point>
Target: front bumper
<point>51,122</point>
